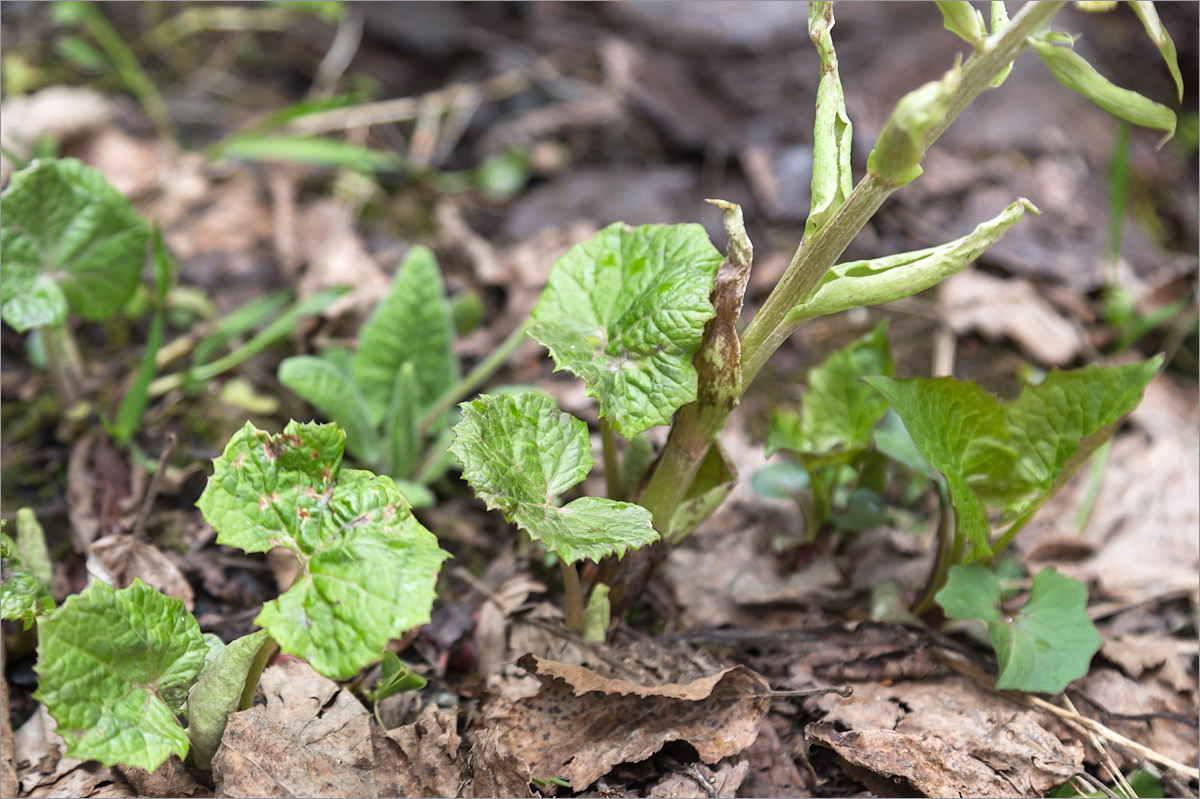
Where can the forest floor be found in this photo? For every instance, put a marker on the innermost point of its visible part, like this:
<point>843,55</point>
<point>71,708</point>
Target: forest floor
<point>520,130</point>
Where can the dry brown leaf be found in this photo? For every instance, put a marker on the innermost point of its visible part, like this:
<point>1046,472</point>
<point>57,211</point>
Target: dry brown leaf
<point>972,301</point>
<point>428,761</point>
<point>103,491</point>
<point>947,737</point>
<point>1138,654</point>
<point>336,256</point>
<point>170,779</point>
<point>127,558</point>
<point>309,739</point>
<point>56,112</point>
<point>771,772</point>
<point>496,773</point>
<point>697,779</point>
<point>581,724</point>
<point>131,165</point>
<point>43,770</point>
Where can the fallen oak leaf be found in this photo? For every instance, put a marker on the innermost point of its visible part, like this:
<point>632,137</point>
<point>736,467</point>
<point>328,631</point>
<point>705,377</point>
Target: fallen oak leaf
<point>580,725</point>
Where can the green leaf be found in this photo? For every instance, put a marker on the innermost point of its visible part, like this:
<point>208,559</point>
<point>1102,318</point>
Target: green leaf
<point>23,596</point>
<point>839,410</point>
<point>413,323</point>
<point>1162,40</point>
<point>1044,645</point>
<point>625,310</point>
<point>31,544</point>
<point>519,452</point>
<point>960,18</point>
<point>218,693</point>
<point>114,668</point>
<point>395,677</point>
<point>1074,72</point>
<point>68,237</point>
<point>781,481</point>
<point>400,423</point>
<point>833,179</point>
<point>367,567</point>
<point>896,159</point>
<point>714,480</point>
<point>331,391</point>
<point>315,150</point>
<point>1014,456</point>
<point>240,321</point>
<point>894,277</point>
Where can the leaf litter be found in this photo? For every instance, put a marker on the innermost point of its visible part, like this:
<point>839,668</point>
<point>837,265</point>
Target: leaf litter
<point>311,737</point>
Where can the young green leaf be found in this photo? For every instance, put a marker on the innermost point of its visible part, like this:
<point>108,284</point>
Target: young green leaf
<point>1013,456</point>
<point>1074,72</point>
<point>114,668</point>
<point>23,596</point>
<point>1044,645</point>
<point>31,544</point>
<point>331,391</point>
<point>519,452</point>
<point>840,411</point>
<point>315,150</point>
<point>367,567</point>
<point>68,238</point>
<point>395,677</point>
<point>625,310</point>
<point>413,323</point>
<point>861,283</point>
<point>959,17</point>
<point>400,422</point>
<point>218,693</point>
<point>832,179</point>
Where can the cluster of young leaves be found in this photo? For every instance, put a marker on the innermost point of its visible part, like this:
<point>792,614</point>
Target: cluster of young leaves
<point>381,393</point>
<point>25,572</point>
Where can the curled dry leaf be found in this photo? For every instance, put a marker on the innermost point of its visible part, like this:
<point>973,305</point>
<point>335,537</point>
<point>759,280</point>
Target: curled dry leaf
<point>43,770</point>
<point>495,773</point>
<point>698,779</point>
<point>427,754</point>
<point>172,778</point>
<point>127,558</point>
<point>580,724</point>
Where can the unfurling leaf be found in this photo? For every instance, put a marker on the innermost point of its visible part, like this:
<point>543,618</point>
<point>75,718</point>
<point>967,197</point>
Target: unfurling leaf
<point>625,311</point>
<point>114,668</point>
<point>218,693</point>
<point>832,179</point>
<point>1041,647</point>
<point>68,239</point>
<point>367,566</point>
<point>519,452</point>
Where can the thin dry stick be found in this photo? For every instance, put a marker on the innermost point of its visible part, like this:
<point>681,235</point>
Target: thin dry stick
<point>984,680</point>
<point>1110,765</point>
<point>152,491</point>
<point>1088,785</point>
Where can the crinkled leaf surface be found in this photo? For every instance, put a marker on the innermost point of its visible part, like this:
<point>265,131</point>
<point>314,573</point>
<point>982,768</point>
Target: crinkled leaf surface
<point>67,238</point>
<point>839,410</point>
<point>331,391</point>
<point>625,311</point>
<point>22,595</point>
<point>1013,456</point>
<point>519,452</point>
<point>367,567</point>
<point>113,670</point>
<point>413,323</point>
<point>1044,645</point>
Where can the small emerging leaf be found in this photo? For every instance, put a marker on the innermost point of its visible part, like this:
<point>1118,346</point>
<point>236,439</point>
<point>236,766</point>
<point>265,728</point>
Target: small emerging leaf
<point>1158,34</point>
<point>23,597</point>
<point>367,567</point>
<point>31,543</point>
<point>114,668</point>
<point>218,693</point>
<point>68,237</point>
<point>414,323</point>
<point>519,452</point>
<point>1044,645</point>
<point>331,391</point>
<point>960,18</point>
<point>395,677</point>
<point>625,310</point>
<point>832,179</point>
<point>898,153</point>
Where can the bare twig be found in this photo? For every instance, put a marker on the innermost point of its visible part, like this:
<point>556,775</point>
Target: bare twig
<point>152,490</point>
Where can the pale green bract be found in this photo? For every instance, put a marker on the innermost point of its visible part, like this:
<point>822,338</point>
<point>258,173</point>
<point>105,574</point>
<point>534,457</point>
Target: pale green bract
<point>1041,647</point>
<point>68,240</point>
<point>113,670</point>
<point>367,566</point>
<point>625,311</point>
<point>1013,456</point>
<point>519,452</point>
<point>218,692</point>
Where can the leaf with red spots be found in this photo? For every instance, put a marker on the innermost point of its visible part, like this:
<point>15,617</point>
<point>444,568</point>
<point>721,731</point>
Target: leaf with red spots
<point>367,567</point>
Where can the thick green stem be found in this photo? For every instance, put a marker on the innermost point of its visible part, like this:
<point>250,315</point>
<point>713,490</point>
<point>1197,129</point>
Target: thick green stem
<point>573,597</point>
<point>612,468</point>
<point>473,379</point>
<point>694,431</point>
